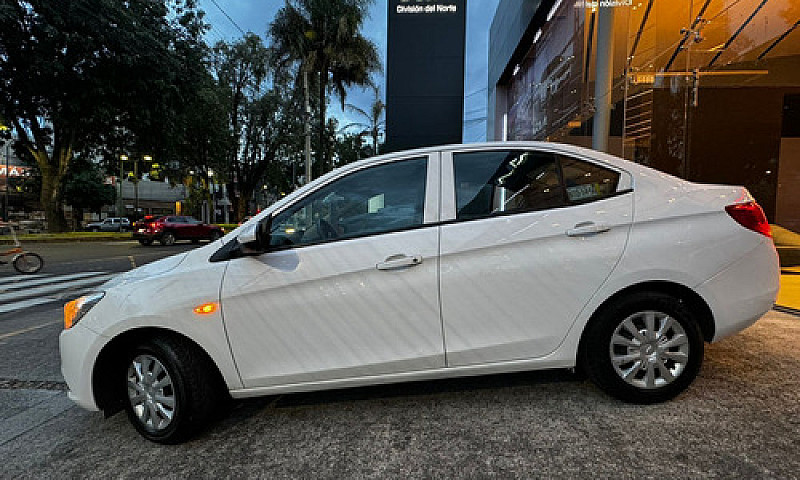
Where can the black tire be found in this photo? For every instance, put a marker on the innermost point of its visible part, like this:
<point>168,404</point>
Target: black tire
<point>193,388</point>
<point>214,236</point>
<point>660,367</point>
<point>28,262</point>
<point>167,239</point>
<point>95,229</point>
<point>146,241</point>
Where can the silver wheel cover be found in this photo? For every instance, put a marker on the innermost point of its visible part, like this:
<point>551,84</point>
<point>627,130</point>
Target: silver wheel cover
<point>151,393</point>
<point>649,349</point>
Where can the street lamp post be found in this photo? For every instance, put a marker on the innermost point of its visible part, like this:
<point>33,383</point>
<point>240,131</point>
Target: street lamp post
<point>212,217</point>
<point>4,128</point>
<point>5,193</point>
<point>120,203</point>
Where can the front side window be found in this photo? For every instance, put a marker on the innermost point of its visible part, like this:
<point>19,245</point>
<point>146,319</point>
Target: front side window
<point>379,199</point>
<point>496,182</point>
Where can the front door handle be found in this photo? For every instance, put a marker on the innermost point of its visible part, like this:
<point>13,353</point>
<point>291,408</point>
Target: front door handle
<point>585,229</point>
<point>396,262</point>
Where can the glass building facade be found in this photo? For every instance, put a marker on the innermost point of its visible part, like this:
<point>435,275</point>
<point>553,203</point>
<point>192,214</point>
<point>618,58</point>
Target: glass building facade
<point>707,90</point>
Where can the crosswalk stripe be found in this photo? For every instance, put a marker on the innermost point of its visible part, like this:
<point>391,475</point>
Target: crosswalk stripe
<point>52,288</point>
<point>25,304</point>
<point>19,278</point>
<point>44,281</point>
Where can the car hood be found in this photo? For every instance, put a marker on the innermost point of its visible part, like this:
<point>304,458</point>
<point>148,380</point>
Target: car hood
<point>159,267</point>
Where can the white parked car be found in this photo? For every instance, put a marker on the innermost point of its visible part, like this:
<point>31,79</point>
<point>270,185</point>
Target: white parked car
<point>111,224</point>
<point>439,262</point>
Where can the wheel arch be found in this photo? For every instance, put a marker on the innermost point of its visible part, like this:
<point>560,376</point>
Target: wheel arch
<point>113,356</point>
<point>695,302</point>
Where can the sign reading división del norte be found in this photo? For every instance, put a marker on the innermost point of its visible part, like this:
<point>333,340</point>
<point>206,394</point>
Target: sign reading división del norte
<point>425,73</point>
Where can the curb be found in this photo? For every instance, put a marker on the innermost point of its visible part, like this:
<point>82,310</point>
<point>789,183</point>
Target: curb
<point>789,310</point>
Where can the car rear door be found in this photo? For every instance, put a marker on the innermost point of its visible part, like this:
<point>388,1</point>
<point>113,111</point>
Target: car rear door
<point>351,289</point>
<point>531,236</point>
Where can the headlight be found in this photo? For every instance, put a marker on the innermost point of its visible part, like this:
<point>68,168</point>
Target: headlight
<point>76,309</point>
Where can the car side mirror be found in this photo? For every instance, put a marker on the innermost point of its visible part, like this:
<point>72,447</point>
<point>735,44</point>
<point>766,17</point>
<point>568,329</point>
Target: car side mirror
<point>255,238</point>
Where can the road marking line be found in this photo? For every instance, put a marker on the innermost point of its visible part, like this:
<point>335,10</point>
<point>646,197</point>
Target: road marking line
<point>51,279</point>
<point>19,279</point>
<point>26,330</point>
<point>133,262</point>
<point>49,289</point>
<point>25,304</point>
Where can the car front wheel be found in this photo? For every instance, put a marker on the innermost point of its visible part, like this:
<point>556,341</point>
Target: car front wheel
<point>170,390</point>
<point>645,348</point>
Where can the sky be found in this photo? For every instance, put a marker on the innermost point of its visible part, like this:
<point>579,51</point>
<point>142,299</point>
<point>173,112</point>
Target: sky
<point>255,15</point>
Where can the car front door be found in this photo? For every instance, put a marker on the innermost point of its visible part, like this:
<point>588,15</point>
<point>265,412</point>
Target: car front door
<point>529,237</point>
<point>351,287</point>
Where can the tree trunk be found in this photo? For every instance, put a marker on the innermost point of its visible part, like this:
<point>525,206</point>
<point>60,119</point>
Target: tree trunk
<point>323,152</point>
<point>50,196</point>
<point>241,205</point>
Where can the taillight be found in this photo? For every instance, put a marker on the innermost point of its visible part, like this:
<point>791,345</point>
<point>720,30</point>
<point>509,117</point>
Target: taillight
<point>750,216</point>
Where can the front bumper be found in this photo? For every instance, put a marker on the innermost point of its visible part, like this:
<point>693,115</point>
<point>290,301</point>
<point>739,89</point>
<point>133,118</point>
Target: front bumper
<point>79,347</point>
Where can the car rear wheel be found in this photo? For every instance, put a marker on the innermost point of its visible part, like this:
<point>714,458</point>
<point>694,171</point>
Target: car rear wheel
<point>167,239</point>
<point>644,348</point>
<point>170,390</point>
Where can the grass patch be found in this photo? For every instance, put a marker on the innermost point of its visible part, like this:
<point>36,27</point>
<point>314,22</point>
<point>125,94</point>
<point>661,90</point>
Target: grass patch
<point>67,237</point>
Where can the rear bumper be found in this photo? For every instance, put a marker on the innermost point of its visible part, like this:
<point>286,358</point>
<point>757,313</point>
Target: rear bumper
<point>147,235</point>
<point>744,291</point>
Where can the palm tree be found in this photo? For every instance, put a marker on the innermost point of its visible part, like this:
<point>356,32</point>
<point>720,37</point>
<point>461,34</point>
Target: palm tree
<point>324,37</point>
<point>373,124</point>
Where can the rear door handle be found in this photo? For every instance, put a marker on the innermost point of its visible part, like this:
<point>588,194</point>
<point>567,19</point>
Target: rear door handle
<point>396,262</point>
<point>585,229</point>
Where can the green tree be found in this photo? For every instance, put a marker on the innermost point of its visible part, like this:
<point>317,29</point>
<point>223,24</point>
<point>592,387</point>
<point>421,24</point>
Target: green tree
<point>76,73</point>
<point>373,123</point>
<point>84,189</point>
<point>324,37</point>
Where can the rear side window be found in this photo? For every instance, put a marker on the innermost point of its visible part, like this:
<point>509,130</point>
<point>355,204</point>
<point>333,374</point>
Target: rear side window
<point>497,182</point>
<point>587,181</point>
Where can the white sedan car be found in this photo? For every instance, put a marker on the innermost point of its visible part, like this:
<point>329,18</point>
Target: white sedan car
<point>439,262</point>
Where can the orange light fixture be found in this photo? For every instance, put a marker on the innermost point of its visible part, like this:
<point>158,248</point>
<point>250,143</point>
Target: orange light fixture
<point>206,308</point>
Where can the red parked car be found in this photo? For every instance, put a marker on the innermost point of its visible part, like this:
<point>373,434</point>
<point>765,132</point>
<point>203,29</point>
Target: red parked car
<point>172,227</point>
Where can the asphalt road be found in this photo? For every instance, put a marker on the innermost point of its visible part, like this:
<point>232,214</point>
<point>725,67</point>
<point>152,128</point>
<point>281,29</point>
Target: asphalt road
<point>740,419</point>
<point>111,256</point>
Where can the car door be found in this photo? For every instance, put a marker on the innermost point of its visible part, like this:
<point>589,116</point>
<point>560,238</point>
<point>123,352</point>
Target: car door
<point>531,237</point>
<point>107,225</point>
<point>351,288</point>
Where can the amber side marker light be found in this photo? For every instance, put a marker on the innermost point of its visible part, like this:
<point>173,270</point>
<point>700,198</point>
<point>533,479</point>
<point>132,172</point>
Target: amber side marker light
<point>70,312</point>
<point>206,308</point>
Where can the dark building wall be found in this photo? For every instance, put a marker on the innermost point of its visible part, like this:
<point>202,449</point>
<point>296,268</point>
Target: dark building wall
<point>511,21</point>
<point>425,74</point>
<point>734,137</point>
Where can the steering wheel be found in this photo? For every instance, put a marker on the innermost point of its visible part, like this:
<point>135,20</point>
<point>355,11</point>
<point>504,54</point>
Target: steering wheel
<point>326,230</point>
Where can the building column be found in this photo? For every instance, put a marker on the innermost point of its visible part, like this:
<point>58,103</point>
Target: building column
<point>604,80</point>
